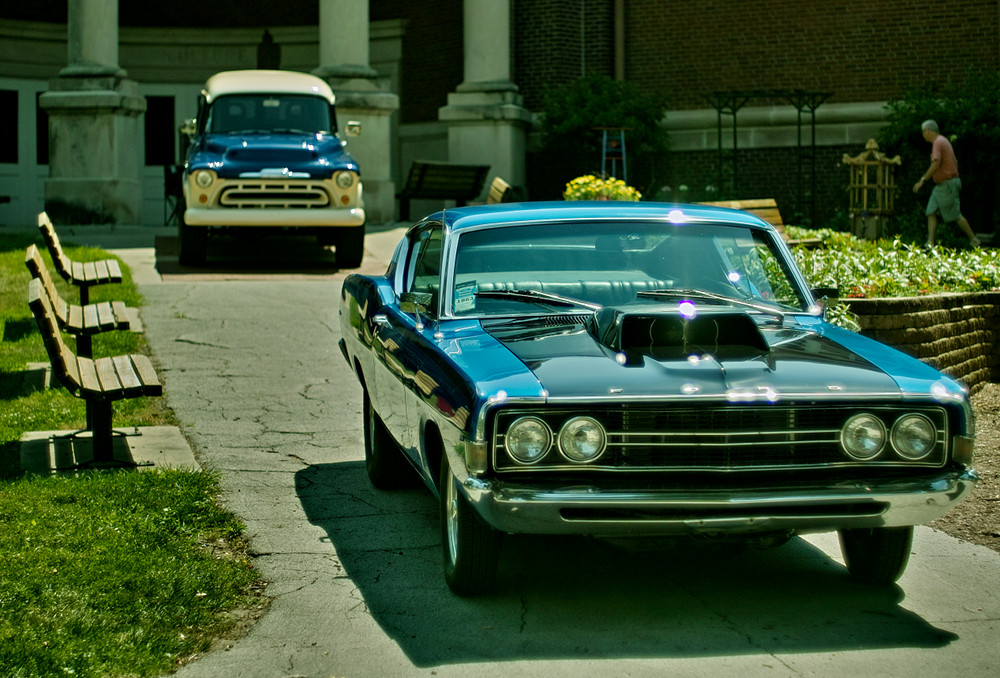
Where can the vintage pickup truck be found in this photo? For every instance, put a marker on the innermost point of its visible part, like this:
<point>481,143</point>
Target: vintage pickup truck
<point>265,154</point>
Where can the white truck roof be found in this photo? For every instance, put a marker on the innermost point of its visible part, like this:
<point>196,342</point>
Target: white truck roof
<point>266,82</point>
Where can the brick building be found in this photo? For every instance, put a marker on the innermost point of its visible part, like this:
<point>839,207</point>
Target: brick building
<point>853,56</point>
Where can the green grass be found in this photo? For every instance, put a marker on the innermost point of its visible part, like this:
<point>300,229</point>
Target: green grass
<point>102,573</point>
<point>114,574</point>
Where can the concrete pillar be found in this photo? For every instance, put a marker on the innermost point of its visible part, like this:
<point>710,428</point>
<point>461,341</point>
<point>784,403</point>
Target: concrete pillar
<point>487,124</point>
<point>344,63</point>
<point>95,117</point>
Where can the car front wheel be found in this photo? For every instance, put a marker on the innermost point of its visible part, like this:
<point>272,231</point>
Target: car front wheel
<point>387,469</point>
<point>470,546</point>
<point>876,555</point>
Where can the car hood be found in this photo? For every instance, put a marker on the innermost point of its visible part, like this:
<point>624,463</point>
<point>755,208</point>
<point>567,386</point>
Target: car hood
<point>665,355</point>
<point>231,155</point>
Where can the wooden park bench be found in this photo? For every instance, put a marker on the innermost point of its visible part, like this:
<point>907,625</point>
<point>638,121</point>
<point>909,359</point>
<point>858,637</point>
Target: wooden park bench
<point>766,209</point>
<point>441,181</point>
<point>83,275</point>
<point>80,321</point>
<point>500,191</point>
<point>98,382</point>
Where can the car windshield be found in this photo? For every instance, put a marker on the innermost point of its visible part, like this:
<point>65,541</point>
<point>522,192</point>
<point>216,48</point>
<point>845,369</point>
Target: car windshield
<point>268,113</point>
<point>543,268</point>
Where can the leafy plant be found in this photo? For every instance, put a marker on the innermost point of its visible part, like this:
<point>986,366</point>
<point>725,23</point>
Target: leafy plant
<point>590,187</point>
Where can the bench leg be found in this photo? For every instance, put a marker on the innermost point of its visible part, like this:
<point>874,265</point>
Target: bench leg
<point>99,419</point>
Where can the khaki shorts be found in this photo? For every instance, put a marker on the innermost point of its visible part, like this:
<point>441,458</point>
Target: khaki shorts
<point>944,200</point>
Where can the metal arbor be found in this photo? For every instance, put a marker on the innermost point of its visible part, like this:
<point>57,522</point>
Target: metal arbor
<point>804,101</point>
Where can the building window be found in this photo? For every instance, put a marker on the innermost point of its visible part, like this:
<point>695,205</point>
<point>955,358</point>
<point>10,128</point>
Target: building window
<point>41,132</point>
<point>8,126</point>
<point>160,131</point>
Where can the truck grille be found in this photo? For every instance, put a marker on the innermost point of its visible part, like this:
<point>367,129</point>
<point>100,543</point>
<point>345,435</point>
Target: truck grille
<point>285,194</point>
<point>712,438</point>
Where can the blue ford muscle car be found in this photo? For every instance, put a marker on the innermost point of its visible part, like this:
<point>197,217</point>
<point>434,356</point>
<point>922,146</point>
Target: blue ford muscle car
<point>629,369</point>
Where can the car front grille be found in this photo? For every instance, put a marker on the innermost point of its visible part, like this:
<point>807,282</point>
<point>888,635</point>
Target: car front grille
<point>279,194</point>
<point>714,438</point>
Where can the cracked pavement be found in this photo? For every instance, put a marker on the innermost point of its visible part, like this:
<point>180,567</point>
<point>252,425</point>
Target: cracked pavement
<point>254,374</point>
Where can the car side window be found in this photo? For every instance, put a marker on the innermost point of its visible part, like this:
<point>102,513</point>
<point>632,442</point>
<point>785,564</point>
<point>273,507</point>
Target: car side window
<point>424,274</point>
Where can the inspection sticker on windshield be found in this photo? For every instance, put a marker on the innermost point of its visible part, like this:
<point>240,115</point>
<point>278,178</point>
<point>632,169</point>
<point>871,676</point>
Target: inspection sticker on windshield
<point>465,296</point>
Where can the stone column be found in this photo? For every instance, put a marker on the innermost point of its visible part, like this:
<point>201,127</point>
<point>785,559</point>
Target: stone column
<point>95,117</point>
<point>344,63</point>
<point>487,124</point>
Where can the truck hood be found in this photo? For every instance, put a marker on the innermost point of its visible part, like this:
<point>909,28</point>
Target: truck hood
<point>728,354</point>
<point>230,155</point>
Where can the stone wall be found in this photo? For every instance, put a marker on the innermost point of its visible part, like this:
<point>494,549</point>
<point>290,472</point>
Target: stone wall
<point>958,334</point>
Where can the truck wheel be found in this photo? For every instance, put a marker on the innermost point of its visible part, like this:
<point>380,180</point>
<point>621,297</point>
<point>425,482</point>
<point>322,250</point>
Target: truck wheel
<point>877,555</point>
<point>193,242</point>
<point>387,469</point>
<point>350,247</point>
<point>470,547</point>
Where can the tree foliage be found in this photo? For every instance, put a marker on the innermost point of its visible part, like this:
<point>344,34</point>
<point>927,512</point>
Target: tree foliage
<point>572,116</point>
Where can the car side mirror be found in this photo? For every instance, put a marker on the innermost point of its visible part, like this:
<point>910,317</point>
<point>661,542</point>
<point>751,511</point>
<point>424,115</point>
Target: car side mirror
<point>416,303</point>
<point>352,128</point>
<point>831,292</point>
<point>189,127</point>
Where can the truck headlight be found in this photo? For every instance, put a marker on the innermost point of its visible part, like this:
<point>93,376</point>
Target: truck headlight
<point>863,437</point>
<point>345,180</point>
<point>203,178</point>
<point>582,439</point>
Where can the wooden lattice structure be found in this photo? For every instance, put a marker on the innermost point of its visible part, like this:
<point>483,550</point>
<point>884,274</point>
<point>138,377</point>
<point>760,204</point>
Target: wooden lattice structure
<point>872,190</point>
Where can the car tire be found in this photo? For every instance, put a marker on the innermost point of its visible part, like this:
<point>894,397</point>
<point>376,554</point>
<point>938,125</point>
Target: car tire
<point>387,469</point>
<point>193,243</point>
<point>350,247</point>
<point>470,547</point>
<point>876,555</point>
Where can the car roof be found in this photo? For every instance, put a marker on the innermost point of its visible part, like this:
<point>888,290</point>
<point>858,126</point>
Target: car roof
<point>460,218</point>
<point>266,82</point>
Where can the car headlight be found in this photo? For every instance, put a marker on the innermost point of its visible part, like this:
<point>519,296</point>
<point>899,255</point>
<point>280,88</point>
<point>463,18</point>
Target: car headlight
<point>345,180</point>
<point>582,439</point>
<point>863,437</point>
<point>913,436</point>
<point>527,440</point>
<point>203,178</point>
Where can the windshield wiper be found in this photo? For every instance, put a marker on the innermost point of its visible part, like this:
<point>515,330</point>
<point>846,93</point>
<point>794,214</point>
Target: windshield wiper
<point>715,296</point>
<point>535,295</point>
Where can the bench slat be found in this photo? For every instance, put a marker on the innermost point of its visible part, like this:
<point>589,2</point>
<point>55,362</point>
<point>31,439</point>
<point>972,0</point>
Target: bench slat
<point>89,381</point>
<point>147,375</point>
<point>105,316</point>
<point>120,310</point>
<point>90,319</point>
<point>75,319</point>
<point>127,376</point>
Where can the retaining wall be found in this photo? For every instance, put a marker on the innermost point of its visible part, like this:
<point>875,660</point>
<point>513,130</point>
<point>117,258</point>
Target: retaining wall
<point>958,334</point>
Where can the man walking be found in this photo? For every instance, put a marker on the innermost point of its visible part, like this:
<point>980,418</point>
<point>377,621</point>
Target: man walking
<point>944,197</point>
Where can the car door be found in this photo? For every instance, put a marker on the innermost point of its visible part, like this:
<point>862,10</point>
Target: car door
<point>398,335</point>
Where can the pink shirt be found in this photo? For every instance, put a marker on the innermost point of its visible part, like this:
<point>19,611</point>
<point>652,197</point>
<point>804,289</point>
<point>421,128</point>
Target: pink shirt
<point>941,150</point>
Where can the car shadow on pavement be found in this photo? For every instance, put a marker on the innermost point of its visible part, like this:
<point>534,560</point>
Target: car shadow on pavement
<point>255,255</point>
<point>573,597</point>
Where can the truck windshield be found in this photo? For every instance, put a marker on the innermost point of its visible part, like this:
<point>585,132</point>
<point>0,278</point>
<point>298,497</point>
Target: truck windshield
<point>263,113</point>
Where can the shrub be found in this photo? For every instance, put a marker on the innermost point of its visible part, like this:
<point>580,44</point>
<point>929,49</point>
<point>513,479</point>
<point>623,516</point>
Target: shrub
<point>590,187</point>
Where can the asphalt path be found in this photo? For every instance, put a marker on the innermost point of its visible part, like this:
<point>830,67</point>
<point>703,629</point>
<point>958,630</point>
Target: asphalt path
<point>247,348</point>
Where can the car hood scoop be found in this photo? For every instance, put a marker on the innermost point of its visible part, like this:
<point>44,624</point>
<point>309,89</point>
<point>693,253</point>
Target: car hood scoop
<point>670,335</point>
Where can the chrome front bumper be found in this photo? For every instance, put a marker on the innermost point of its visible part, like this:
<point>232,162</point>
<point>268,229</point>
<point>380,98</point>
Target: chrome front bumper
<point>277,216</point>
<point>519,508</point>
